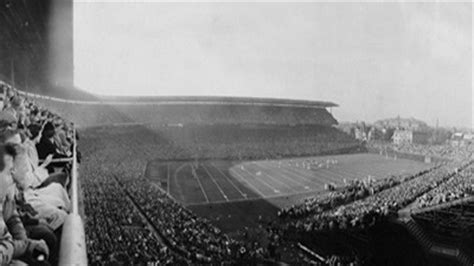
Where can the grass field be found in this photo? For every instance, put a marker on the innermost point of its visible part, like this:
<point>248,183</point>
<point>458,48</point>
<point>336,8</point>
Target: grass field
<point>237,195</point>
<point>206,182</point>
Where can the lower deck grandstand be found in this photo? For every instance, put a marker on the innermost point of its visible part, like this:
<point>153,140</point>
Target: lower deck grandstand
<point>247,179</point>
<point>237,179</point>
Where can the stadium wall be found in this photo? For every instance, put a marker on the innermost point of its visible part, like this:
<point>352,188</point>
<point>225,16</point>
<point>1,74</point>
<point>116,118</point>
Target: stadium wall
<point>36,44</point>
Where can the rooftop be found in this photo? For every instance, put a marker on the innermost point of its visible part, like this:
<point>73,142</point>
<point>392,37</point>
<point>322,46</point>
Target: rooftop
<point>216,100</point>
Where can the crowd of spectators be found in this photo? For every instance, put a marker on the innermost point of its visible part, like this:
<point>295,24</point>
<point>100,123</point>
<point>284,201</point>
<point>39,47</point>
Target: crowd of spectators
<point>459,186</point>
<point>352,191</point>
<point>116,231</point>
<point>113,152</point>
<point>193,236</point>
<point>444,151</point>
<point>130,220</point>
<point>200,142</point>
<point>34,200</point>
<point>366,212</point>
<point>357,205</point>
<point>115,179</point>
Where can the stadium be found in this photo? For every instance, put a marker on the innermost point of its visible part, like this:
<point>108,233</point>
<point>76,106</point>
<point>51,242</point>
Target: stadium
<point>209,180</point>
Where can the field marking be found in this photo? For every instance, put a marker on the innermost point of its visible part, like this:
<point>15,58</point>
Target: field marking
<point>275,179</point>
<point>193,171</point>
<point>180,189</point>
<point>280,171</point>
<point>248,183</point>
<point>277,171</point>
<point>264,198</point>
<point>278,180</point>
<point>260,180</point>
<point>315,177</point>
<point>229,180</point>
<point>275,176</point>
<point>213,180</point>
<point>309,176</point>
<point>333,174</point>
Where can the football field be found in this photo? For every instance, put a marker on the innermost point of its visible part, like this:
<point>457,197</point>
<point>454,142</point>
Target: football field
<point>206,182</point>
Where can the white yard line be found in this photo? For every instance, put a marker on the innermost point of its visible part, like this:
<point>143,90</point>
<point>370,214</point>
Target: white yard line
<point>299,173</point>
<point>275,179</point>
<point>178,187</point>
<point>262,181</point>
<point>229,180</point>
<point>267,197</point>
<point>279,172</point>
<point>248,183</point>
<point>213,180</point>
<point>193,170</point>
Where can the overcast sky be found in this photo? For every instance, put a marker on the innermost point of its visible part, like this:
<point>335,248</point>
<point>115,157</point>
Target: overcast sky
<point>376,60</point>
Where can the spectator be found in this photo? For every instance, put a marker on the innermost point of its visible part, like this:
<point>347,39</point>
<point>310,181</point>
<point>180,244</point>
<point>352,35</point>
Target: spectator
<point>15,245</point>
<point>47,146</point>
<point>47,196</point>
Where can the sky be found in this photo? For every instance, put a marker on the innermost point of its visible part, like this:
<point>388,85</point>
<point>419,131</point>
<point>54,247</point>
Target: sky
<point>376,60</point>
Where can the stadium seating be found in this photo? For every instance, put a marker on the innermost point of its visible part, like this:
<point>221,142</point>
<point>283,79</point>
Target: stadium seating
<point>43,149</point>
<point>362,205</point>
<point>459,186</point>
<point>131,220</point>
<point>105,147</point>
<point>355,190</point>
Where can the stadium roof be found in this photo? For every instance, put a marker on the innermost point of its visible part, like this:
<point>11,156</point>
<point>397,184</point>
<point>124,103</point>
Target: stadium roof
<point>72,94</point>
<point>216,100</point>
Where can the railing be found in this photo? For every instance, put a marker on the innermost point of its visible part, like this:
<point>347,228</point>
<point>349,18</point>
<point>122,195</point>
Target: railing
<point>73,249</point>
<point>73,242</point>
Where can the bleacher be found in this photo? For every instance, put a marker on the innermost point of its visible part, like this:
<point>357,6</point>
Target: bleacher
<point>222,131</point>
<point>37,200</point>
<point>251,129</point>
